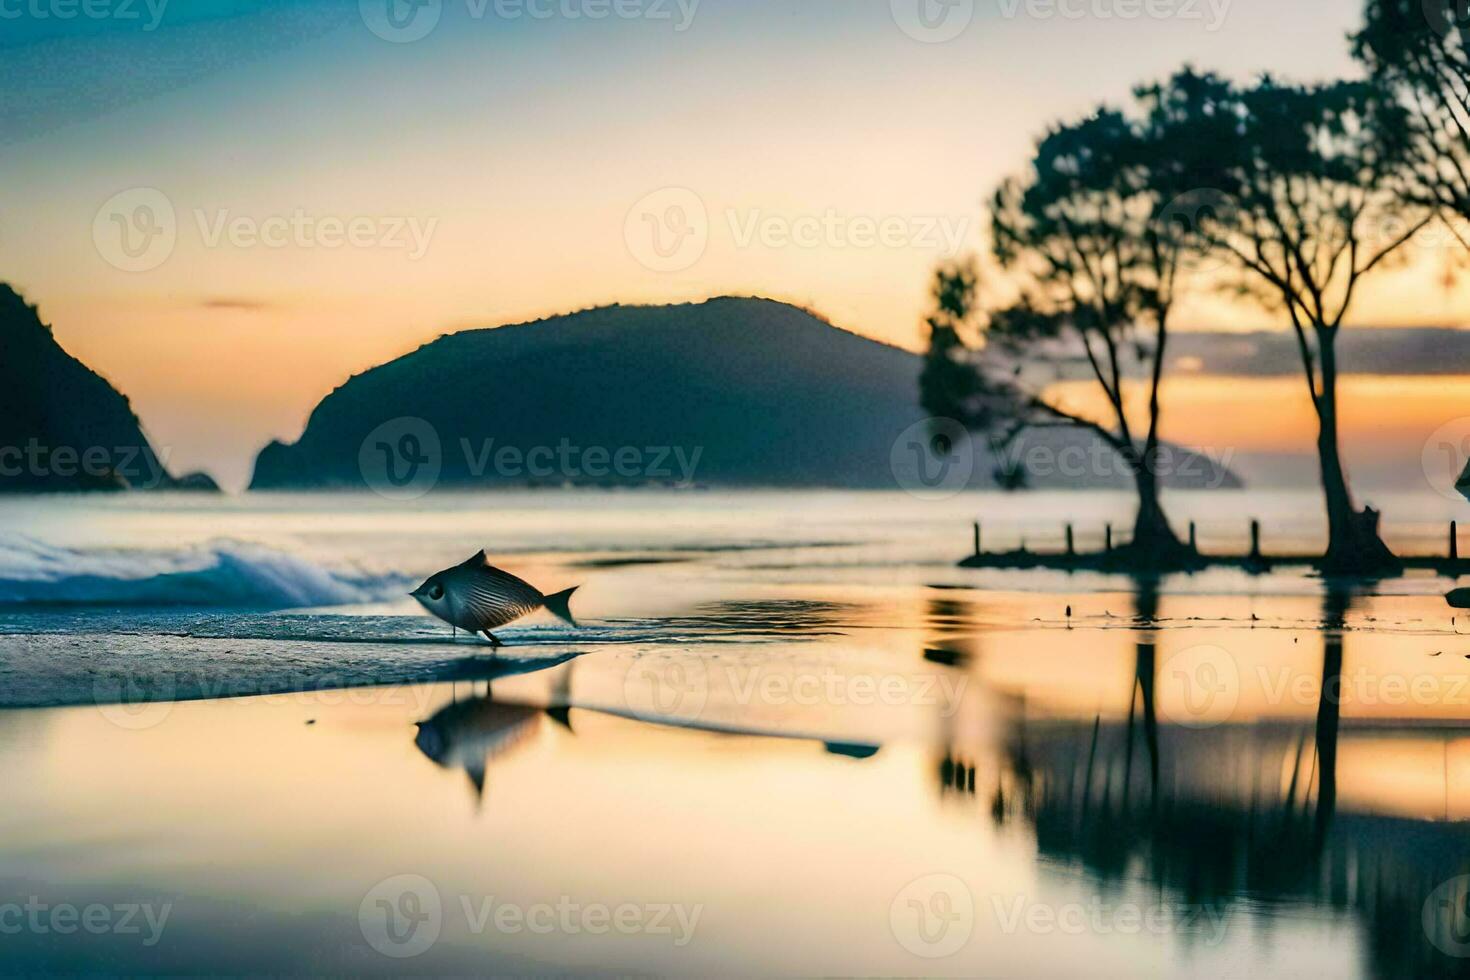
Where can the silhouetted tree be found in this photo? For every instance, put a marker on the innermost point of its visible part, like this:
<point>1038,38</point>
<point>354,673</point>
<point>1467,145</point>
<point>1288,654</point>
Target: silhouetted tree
<point>953,383</point>
<point>1081,237</point>
<point>1420,51</point>
<point>1304,186</point>
<point>947,381</point>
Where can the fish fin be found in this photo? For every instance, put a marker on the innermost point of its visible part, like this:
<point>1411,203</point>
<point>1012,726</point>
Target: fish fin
<point>562,716</point>
<point>560,605</point>
<point>478,560</point>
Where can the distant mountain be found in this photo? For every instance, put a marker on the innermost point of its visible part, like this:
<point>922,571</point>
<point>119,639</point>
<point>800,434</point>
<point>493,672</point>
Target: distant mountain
<point>62,426</point>
<point>732,392</point>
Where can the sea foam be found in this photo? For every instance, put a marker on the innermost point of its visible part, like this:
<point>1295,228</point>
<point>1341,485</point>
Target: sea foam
<point>223,574</point>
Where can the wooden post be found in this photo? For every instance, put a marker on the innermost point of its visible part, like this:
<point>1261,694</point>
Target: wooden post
<point>1454,541</point>
<point>977,539</point>
<point>1193,538</point>
<point>1256,540</point>
<point>1071,543</point>
<point>1108,538</point>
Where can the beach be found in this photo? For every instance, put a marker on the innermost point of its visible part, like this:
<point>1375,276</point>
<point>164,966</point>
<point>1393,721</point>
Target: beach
<point>774,746</point>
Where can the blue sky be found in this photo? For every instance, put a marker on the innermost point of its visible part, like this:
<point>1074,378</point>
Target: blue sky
<point>523,146</point>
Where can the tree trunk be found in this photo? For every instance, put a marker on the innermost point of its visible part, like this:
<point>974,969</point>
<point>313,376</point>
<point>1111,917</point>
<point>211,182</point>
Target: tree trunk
<point>1353,544</point>
<point>1154,545</point>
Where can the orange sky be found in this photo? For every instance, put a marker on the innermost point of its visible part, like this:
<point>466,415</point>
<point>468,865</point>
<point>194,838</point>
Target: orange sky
<point>527,149</point>
<point>1273,415</point>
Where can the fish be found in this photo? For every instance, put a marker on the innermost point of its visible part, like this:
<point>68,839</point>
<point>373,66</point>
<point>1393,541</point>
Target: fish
<point>478,597</point>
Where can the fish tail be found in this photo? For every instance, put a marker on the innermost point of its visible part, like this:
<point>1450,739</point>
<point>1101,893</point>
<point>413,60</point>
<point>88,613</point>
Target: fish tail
<point>561,605</point>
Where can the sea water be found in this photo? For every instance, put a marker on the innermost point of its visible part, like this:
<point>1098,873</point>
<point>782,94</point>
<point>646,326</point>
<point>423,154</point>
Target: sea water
<point>789,735</point>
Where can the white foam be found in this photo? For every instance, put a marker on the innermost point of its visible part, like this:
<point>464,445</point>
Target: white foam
<point>223,574</point>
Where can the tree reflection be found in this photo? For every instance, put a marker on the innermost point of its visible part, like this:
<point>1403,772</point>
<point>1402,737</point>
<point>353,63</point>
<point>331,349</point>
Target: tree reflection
<point>1219,814</point>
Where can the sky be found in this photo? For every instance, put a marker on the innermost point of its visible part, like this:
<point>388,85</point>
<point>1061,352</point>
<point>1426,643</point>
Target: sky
<point>228,208</point>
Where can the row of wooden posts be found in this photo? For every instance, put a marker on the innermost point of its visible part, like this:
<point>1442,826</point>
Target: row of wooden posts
<point>1255,552</point>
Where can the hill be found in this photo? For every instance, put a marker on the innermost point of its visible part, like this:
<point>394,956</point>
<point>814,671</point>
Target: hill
<point>751,392</point>
<point>62,426</point>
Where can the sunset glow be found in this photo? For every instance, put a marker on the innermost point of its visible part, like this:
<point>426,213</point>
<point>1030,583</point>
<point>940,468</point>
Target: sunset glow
<point>520,148</point>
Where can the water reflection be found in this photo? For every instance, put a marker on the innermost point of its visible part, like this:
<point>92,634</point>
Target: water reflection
<point>766,617</point>
<point>468,734</point>
<point>1244,815</point>
<point>473,732</point>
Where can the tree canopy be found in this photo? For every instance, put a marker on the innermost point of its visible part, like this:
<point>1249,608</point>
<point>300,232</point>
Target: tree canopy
<point>1420,51</point>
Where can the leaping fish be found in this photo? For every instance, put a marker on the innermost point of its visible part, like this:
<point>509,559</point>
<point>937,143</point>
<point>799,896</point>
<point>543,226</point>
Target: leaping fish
<point>479,597</point>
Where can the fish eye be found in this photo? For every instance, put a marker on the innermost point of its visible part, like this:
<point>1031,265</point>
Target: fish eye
<point>436,592</point>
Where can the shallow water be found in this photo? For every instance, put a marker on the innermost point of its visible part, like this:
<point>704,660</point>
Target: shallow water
<point>790,737</point>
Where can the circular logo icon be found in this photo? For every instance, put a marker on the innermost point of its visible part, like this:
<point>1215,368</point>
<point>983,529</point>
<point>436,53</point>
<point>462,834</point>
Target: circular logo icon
<point>136,230</point>
<point>401,459</point>
<point>1198,687</point>
<point>1195,218</point>
<point>1446,459</point>
<point>1446,17</point>
<point>659,689</point>
<point>934,916</point>
<point>932,21</point>
<point>401,21</point>
<point>668,230</point>
<point>1446,917</point>
<point>933,459</point>
<point>134,703</point>
<point>401,916</point>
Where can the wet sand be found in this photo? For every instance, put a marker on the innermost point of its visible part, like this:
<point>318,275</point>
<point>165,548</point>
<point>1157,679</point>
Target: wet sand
<point>791,737</point>
<point>859,780</point>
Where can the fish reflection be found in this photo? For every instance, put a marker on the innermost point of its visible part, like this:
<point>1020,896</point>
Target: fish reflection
<point>474,733</point>
<point>469,734</point>
<point>1221,814</point>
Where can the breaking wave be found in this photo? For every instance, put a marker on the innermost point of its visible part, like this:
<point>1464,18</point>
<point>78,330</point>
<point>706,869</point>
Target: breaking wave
<point>218,575</point>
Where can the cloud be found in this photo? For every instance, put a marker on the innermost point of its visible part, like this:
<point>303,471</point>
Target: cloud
<point>235,304</point>
<point>1361,350</point>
